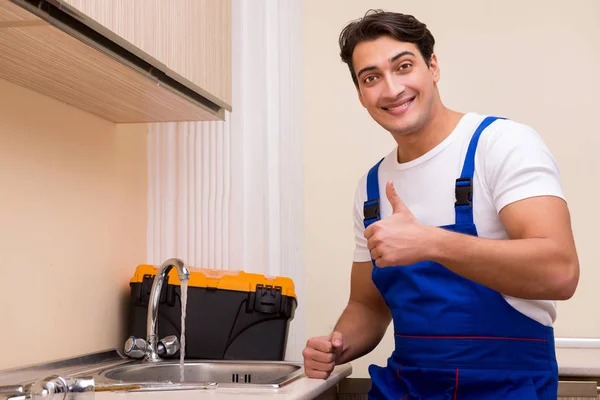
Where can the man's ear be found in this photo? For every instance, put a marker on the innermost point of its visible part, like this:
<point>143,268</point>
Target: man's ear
<point>434,68</point>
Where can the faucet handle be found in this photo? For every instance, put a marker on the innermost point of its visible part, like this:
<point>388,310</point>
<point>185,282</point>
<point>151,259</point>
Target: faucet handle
<point>138,348</point>
<point>168,346</point>
<point>135,347</point>
<point>58,387</point>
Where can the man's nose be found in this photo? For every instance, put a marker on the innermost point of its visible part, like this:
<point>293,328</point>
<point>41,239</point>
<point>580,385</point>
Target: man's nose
<point>393,87</point>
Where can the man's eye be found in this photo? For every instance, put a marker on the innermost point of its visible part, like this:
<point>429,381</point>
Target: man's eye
<point>370,79</point>
<point>404,66</point>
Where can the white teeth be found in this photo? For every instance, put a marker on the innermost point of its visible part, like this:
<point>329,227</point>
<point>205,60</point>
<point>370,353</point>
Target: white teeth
<point>400,106</point>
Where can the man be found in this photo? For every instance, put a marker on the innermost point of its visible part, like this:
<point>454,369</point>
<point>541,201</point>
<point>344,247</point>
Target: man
<point>463,237</point>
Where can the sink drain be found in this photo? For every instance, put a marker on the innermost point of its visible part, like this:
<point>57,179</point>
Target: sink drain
<point>237,378</point>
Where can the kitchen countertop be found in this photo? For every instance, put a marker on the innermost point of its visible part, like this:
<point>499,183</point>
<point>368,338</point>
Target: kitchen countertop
<point>578,362</point>
<point>91,366</point>
<point>574,362</point>
<point>301,389</point>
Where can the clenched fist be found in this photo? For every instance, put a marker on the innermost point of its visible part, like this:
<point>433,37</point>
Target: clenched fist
<point>321,353</point>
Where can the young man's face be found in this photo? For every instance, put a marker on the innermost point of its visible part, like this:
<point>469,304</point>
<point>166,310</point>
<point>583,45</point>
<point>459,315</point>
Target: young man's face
<point>395,84</point>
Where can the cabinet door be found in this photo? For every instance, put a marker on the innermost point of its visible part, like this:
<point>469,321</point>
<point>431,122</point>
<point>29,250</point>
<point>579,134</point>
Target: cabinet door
<point>191,37</point>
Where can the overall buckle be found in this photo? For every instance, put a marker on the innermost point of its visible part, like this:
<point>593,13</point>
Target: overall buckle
<point>371,209</point>
<point>464,192</point>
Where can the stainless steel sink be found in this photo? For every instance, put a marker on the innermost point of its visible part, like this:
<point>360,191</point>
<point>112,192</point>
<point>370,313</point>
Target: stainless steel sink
<point>223,373</point>
<point>110,371</point>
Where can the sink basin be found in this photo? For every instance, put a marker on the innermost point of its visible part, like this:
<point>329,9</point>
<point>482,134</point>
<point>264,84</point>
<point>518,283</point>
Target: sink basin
<point>223,373</point>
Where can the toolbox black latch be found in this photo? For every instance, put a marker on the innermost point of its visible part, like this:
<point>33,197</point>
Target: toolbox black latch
<point>267,299</point>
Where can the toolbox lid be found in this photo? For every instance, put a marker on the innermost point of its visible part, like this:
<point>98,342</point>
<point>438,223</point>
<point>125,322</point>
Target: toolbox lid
<point>220,279</point>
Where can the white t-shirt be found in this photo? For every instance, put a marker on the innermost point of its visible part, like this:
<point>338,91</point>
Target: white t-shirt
<point>511,163</point>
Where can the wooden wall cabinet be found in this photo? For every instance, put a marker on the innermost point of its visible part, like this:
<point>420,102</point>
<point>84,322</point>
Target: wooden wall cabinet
<point>191,37</point>
<point>123,60</point>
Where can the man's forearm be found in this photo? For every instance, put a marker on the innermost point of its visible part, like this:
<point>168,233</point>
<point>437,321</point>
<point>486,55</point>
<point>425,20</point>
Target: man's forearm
<point>362,329</point>
<point>534,268</point>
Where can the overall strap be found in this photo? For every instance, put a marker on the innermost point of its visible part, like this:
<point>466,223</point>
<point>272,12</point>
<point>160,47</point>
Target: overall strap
<point>463,206</point>
<point>371,207</point>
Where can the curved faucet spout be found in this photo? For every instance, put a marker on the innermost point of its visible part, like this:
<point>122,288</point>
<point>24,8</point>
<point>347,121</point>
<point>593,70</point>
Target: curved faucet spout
<point>152,322</point>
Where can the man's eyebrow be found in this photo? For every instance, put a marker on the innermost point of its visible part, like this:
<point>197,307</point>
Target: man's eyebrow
<point>402,54</point>
<point>397,56</point>
<point>365,69</point>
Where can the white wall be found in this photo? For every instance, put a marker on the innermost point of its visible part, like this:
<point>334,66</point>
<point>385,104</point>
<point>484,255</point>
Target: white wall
<point>227,194</point>
<point>535,61</point>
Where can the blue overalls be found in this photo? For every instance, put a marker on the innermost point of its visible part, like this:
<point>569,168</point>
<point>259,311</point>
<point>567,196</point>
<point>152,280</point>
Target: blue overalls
<point>456,339</point>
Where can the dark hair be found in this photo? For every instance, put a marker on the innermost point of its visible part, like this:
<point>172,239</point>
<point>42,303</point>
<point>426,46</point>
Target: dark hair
<point>377,23</point>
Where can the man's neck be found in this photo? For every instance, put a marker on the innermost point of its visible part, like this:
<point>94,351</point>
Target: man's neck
<point>413,145</point>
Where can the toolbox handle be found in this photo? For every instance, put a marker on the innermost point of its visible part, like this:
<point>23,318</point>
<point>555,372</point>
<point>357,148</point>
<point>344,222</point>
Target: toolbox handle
<point>214,273</point>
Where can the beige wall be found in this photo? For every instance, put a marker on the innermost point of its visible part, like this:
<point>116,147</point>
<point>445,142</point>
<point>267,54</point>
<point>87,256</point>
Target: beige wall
<point>532,61</point>
<point>73,227</point>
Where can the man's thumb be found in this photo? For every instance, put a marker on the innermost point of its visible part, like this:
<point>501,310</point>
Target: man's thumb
<point>392,196</point>
<point>337,342</point>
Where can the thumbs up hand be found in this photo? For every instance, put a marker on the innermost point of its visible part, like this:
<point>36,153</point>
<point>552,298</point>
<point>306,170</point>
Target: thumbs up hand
<point>399,239</point>
<point>398,206</point>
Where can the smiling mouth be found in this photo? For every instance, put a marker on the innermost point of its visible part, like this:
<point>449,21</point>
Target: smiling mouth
<point>399,106</point>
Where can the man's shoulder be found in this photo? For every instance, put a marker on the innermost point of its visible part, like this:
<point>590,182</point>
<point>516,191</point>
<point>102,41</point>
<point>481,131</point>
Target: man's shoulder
<point>506,124</point>
<point>506,134</point>
<point>501,124</point>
